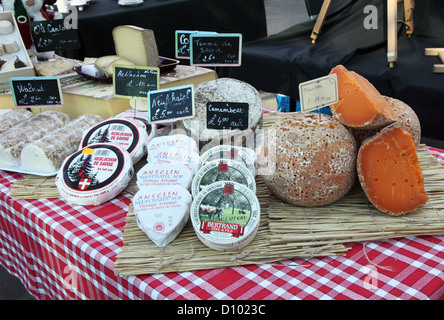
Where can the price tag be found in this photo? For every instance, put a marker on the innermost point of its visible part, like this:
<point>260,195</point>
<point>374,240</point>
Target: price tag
<point>135,82</point>
<point>318,93</point>
<point>50,35</point>
<point>36,92</point>
<point>210,49</point>
<point>182,43</point>
<point>227,115</point>
<point>171,104</point>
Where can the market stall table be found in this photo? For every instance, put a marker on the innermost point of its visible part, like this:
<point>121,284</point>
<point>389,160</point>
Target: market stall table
<point>60,251</point>
<point>96,22</point>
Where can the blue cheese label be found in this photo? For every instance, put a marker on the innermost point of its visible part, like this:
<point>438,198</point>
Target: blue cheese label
<point>222,170</point>
<point>225,215</point>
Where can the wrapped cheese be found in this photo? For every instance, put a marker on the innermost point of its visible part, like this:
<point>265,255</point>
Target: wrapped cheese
<point>48,153</point>
<point>15,139</point>
<point>13,117</point>
<point>165,174</point>
<point>175,141</point>
<point>94,174</point>
<point>125,132</point>
<point>162,212</point>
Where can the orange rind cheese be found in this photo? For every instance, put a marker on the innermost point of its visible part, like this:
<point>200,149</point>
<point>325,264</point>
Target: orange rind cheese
<point>389,171</point>
<point>360,104</point>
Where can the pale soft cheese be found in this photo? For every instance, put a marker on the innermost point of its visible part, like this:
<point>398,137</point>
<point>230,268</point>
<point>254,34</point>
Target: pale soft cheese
<point>137,45</point>
<point>162,212</point>
<point>165,174</point>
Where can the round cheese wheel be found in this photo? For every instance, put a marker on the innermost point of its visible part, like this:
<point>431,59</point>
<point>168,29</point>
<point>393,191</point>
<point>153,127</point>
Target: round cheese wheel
<point>230,91</point>
<point>315,160</point>
<point>10,45</point>
<point>125,132</point>
<point>165,143</point>
<point>164,174</point>
<point>219,170</point>
<point>225,215</point>
<point>245,156</point>
<point>94,174</point>
<point>6,27</point>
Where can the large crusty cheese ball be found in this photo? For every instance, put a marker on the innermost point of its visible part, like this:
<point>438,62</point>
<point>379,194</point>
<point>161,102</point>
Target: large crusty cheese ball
<point>315,160</point>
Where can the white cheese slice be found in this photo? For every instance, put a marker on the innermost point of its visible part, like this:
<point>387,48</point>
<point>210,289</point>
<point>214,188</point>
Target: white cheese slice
<point>220,170</point>
<point>162,212</point>
<point>165,174</point>
<point>125,132</point>
<point>225,216</point>
<point>137,45</point>
<point>94,174</point>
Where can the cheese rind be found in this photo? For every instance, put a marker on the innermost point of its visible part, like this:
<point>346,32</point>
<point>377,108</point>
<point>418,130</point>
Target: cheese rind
<point>137,45</point>
<point>106,64</point>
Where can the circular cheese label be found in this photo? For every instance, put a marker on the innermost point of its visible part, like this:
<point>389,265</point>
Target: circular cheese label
<point>225,215</point>
<point>224,169</point>
<point>245,156</point>
<point>95,174</point>
<point>125,132</point>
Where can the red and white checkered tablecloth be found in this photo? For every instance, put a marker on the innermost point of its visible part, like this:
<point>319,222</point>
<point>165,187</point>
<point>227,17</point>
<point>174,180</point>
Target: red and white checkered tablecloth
<point>67,252</point>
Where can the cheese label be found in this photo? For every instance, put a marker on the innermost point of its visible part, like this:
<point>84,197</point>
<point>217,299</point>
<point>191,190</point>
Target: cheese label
<point>225,220</point>
<point>152,175</point>
<point>93,170</point>
<point>319,93</point>
<point>245,156</point>
<point>222,170</point>
<point>176,141</point>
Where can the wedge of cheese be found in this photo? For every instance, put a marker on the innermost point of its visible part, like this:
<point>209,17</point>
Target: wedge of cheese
<point>137,45</point>
<point>106,64</point>
<point>360,104</point>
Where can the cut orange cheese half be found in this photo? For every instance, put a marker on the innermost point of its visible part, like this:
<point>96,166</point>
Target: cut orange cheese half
<point>389,171</point>
<point>360,104</point>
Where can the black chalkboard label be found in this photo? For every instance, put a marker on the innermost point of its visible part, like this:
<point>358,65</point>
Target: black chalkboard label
<point>50,35</point>
<point>36,92</point>
<point>227,115</point>
<point>182,42</point>
<point>171,104</point>
<point>209,49</point>
<point>135,82</point>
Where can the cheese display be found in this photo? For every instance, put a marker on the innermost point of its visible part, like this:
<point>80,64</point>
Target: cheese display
<point>106,64</point>
<point>94,174</point>
<point>54,67</point>
<point>226,122</point>
<point>360,105</point>
<point>389,171</point>
<point>137,45</point>
<point>225,215</point>
<point>164,174</point>
<point>244,156</point>
<point>6,27</point>
<point>315,160</point>
<point>48,153</point>
<point>13,117</point>
<point>125,132</point>
<point>162,212</point>
<point>222,170</point>
<point>15,139</point>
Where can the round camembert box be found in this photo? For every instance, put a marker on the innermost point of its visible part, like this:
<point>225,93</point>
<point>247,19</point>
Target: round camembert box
<point>128,133</point>
<point>225,215</point>
<point>94,174</point>
<point>224,169</point>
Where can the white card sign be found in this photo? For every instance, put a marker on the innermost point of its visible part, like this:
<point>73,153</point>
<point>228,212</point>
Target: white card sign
<point>318,93</point>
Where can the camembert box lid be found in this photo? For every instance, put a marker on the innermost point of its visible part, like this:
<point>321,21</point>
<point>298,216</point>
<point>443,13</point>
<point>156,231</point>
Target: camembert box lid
<point>225,215</point>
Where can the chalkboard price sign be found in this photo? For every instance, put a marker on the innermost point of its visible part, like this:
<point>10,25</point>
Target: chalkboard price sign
<point>135,82</point>
<point>36,92</point>
<point>209,49</point>
<point>171,104</point>
<point>227,115</point>
<point>182,42</point>
<point>50,35</point>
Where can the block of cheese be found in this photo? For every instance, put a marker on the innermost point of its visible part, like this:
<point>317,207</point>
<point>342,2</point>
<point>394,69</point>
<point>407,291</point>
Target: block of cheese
<point>162,212</point>
<point>94,174</point>
<point>360,104</point>
<point>10,45</point>
<point>48,153</point>
<point>137,45</point>
<point>15,139</point>
<point>106,64</point>
<point>6,27</point>
<point>128,133</point>
<point>164,174</point>
<point>13,117</point>
<point>389,171</point>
